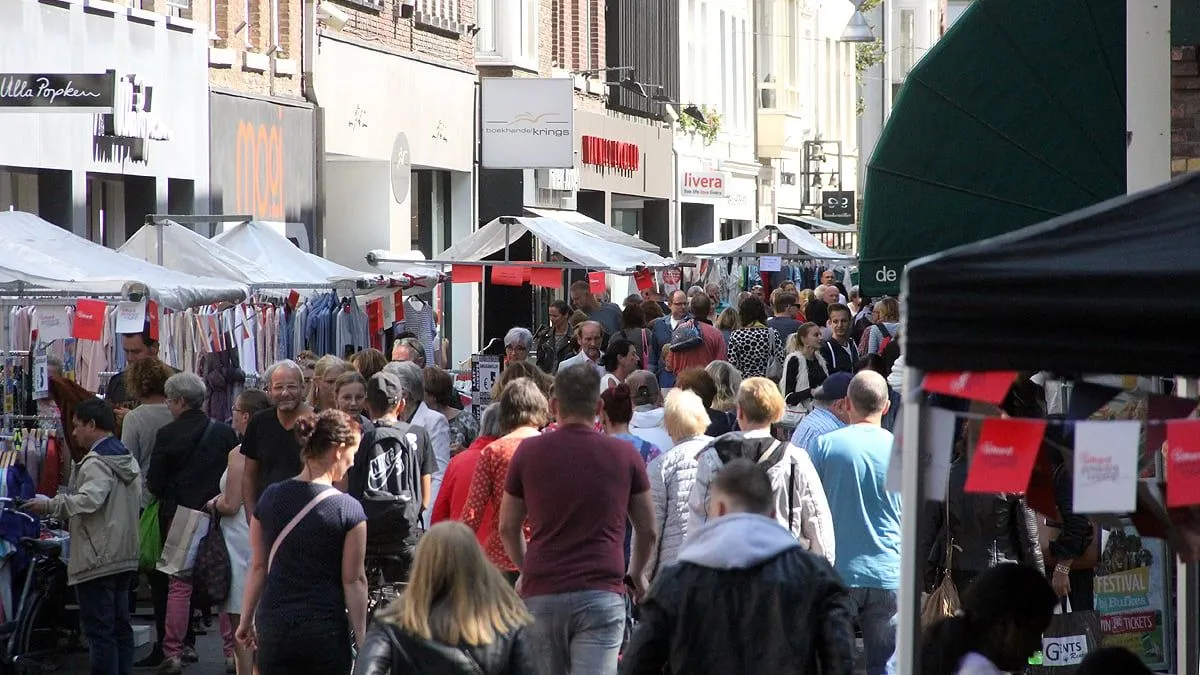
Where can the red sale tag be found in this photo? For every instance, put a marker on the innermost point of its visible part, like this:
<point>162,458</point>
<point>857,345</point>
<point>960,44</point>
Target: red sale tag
<point>597,283</point>
<point>375,316</point>
<point>644,279</point>
<point>546,277</point>
<point>1004,458</point>
<point>508,276</point>
<point>989,387</point>
<point>1183,463</point>
<point>152,319</point>
<point>89,319</point>
<point>466,274</point>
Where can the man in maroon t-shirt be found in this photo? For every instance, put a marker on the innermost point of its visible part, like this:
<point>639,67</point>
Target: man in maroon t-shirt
<point>577,487</point>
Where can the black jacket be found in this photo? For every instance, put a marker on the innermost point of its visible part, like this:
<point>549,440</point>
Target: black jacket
<point>387,649</point>
<point>987,529</point>
<point>184,471</point>
<point>1076,535</point>
<point>746,600</point>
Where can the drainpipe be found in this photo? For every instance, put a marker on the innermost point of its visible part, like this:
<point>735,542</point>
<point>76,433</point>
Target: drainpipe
<point>754,111</point>
<point>308,52</point>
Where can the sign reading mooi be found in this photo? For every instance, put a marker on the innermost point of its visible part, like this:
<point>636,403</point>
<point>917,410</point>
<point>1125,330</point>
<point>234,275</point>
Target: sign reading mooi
<point>49,92</point>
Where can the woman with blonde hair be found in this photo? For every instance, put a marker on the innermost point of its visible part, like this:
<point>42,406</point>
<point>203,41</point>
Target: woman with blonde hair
<point>518,369</point>
<point>323,394</point>
<point>728,380</point>
<point>804,369</point>
<point>458,615</point>
<point>802,299</point>
<point>673,473</point>
<point>727,322</point>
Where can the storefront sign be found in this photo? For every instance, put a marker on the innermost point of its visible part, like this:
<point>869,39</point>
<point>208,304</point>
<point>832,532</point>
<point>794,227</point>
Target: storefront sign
<point>261,159</point>
<point>703,184</point>
<point>838,206</point>
<point>76,92</point>
<point>610,154</point>
<point>527,123</point>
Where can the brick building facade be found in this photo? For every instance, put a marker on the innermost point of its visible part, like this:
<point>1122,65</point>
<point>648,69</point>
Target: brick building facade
<point>1185,110</point>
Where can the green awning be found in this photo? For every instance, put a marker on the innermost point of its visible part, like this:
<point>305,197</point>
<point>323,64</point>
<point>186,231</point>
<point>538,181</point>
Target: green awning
<point>1015,116</point>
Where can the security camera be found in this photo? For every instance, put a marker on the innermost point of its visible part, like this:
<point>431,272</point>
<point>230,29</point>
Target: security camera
<point>333,16</point>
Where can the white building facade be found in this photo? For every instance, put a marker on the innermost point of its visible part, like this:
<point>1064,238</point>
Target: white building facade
<point>717,174</point>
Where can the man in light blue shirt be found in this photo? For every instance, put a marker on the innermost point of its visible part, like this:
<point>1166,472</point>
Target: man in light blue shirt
<point>853,463</point>
<point>828,413</point>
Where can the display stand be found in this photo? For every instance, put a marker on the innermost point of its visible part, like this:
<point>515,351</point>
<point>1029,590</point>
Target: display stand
<point>485,370</point>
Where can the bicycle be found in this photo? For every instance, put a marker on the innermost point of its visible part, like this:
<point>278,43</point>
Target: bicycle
<point>380,591</point>
<point>34,632</point>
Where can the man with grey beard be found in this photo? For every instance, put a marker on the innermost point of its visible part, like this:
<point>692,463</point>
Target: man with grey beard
<point>270,446</point>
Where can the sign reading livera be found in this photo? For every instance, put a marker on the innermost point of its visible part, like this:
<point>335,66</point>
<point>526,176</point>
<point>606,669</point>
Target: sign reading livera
<point>703,184</point>
<point>527,123</point>
<point>79,92</point>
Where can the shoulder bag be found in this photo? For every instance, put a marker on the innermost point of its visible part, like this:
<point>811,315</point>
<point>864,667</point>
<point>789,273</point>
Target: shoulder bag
<point>287,529</point>
<point>943,602</point>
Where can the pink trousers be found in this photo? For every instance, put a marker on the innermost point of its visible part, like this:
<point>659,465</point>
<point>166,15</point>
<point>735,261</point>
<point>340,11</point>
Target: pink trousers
<point>179,602</point>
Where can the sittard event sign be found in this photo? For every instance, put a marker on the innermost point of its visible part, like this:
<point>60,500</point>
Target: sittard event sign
<point>45,92</point>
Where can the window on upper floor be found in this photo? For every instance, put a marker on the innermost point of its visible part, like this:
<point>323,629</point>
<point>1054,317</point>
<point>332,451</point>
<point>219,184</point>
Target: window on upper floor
<point>442,9</point>
<point>508,33</point>
<point>908,42</point>
<point>779,46</point>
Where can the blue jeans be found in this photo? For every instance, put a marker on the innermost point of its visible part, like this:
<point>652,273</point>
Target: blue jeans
<point>577,633</point>
<point>104,613</point>
<point>877,610</point>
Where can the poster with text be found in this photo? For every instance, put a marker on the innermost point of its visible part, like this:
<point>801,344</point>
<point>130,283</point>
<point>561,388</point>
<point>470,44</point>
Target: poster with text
<point>1131,597</point>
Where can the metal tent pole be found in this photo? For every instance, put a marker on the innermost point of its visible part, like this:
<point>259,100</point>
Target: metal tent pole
<point>912,499</point>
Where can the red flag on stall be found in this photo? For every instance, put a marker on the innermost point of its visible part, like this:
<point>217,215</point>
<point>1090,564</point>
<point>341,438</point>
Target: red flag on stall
<point>1005,455</point>
<point>89,319</point>
<point>398,304</point>
<point>989,387</point>
<point>466,274</point>
<point>1183,463</point>
<point>152,319</point>
<point>597,283</point>
<point>375,316</point>
<point>644,279</point>
<point>507,276</point>
<point>546,277</point>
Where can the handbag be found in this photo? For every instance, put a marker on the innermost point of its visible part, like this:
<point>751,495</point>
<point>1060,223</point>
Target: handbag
<point>150,537</point>
<point>287,529</point>
<point>944,601</point>
<point>774,362</point>
<point>1067,640</point>
<point>685,336</point>
<point>213,570</point>
<point>188,527</point>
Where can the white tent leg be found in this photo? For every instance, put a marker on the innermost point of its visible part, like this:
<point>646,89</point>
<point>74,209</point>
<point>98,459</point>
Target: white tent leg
<point>911,498</point>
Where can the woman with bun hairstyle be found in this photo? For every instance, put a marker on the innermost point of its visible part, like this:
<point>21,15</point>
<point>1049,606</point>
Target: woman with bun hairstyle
<point>307,572</point>
<point>1004,613</point>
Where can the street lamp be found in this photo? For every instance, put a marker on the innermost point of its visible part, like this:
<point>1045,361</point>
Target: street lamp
<point>858,30</point>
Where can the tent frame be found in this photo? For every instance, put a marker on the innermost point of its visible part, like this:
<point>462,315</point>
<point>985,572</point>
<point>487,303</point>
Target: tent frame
<point>772,238</point>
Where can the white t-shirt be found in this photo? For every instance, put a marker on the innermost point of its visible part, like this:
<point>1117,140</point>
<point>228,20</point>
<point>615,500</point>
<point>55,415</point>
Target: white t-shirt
<point>975,663</point>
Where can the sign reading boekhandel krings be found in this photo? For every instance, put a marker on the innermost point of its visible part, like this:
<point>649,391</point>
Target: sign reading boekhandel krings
<point>57,92</point>
<point>527,123</point>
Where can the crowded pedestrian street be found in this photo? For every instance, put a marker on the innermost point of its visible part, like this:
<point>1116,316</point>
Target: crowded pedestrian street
<point>566,337</point>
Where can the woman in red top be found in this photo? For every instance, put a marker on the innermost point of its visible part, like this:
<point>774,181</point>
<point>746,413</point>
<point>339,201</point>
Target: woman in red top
<point>523,410</point>
<point>452,497</point>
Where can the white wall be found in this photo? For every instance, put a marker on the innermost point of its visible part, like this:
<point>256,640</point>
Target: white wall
<point>359,211</point>
<point>466,296</point>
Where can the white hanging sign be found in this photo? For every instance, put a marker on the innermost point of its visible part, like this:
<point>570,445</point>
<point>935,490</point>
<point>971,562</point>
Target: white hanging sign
<point>1105,469</point>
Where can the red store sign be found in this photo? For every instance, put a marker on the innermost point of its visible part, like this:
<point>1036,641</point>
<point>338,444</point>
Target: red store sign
<point>608,154</point>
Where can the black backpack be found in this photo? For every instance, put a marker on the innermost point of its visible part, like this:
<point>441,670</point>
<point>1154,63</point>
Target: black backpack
<point>890,351</point>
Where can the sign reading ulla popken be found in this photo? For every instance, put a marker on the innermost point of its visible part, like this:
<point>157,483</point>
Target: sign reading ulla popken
<point>73,92</point>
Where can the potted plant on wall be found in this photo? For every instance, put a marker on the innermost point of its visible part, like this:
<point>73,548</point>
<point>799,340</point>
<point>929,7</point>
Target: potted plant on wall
<point>701,120</point>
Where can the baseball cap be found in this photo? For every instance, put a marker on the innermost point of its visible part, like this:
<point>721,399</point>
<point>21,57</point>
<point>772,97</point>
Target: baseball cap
<point>834,388</point>
<point>385,386</point>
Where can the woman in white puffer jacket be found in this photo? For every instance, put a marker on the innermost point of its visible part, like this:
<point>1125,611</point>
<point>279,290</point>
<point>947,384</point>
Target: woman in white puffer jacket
<point>673,473</point>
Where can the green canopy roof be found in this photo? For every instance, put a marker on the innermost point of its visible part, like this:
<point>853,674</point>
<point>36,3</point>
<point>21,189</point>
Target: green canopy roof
<point>1015,116</point>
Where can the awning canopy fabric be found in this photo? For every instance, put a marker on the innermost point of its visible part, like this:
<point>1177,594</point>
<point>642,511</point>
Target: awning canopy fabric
<point>745,244</point>
<point>39,255</point>
<point>575,244</point>
<point>185,250</point>
<point>1078,294</point>
<point>594,227</point>
<point>814,224</point>
<point>1014,116</point>
<point>287,264</point>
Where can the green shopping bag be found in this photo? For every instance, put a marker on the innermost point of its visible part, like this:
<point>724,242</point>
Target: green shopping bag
<point>151,538</point>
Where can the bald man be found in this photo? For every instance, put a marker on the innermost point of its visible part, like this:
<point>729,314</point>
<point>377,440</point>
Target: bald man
<point>853,463</point>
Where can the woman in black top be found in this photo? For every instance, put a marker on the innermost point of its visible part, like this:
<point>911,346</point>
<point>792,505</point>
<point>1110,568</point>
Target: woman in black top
<point>307,571</point>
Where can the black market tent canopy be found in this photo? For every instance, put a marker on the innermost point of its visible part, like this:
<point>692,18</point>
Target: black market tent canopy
<point>1102,290</point>
<point>577,245</point>
<point>1015,116</point>
<point>747,245</point>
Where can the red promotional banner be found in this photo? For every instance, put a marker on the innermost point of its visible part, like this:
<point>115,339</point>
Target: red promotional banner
<point>1183,463</point>
<point>375,316</point>
<point>508,276</point>
<point>398,304</point>
<point>1004,458</point>
<point>990,387</point>
<point>152,319</point>
<point>466,274</point>
<point>644,279</point>
<point>89,319</point>
<point>597,283</point>
<point>546,277</point>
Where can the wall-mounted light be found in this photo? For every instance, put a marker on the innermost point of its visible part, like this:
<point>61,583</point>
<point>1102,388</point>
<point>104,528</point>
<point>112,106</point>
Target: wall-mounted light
<point>332,15</point>
<point>473,30</point>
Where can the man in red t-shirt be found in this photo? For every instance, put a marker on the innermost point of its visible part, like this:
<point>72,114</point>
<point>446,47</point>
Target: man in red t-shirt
<point>577,487</point>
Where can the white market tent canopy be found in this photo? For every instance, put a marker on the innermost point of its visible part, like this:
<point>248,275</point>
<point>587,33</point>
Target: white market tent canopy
<point>38,255</point>
<point>286,263</point>
<point>594,227</point>
<point>185,250</point>
<point>815,224</point>
<point>577,245</point>
<point>809,245</point>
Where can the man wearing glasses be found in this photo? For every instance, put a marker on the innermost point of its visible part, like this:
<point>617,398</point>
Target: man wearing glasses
<point>660,336</point>
<point>270,446</point>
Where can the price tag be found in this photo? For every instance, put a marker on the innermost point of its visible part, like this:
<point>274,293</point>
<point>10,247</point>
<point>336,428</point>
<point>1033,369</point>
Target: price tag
<point>52,324</point>
<point>770,263</point>
<point>131,317</point>
<point>41,376</point>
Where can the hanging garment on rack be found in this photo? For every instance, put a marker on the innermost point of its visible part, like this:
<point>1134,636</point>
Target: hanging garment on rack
<point>418,320</point>
<point>51,475</point>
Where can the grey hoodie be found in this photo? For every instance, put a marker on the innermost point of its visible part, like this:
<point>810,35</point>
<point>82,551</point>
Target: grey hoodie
<point>647,424</point>
<point>102,504</point>
<point>737,541</point>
